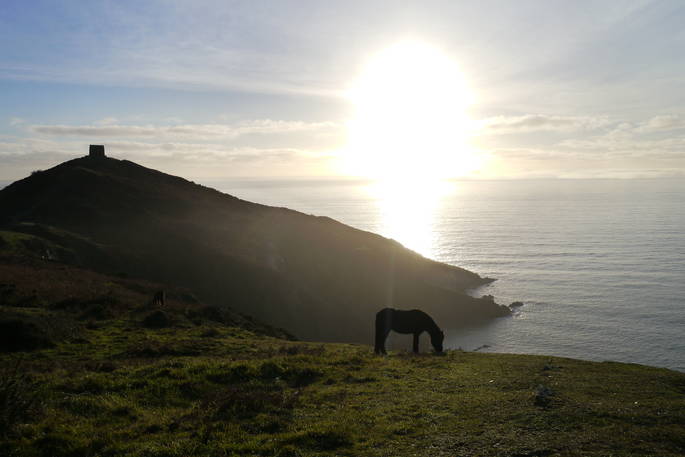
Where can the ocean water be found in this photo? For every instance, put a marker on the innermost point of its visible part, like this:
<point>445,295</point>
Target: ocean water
<point>599,264</point>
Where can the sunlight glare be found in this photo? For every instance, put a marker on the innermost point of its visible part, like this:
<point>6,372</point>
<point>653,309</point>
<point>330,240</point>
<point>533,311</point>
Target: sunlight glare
<point>409,134</point>
<point>408,214</point>
<point>410,117</point>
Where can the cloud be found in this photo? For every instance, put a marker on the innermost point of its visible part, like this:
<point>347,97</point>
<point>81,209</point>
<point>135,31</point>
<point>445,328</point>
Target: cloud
<point>187,131</point>
<point>202,151</point>
<point>663,123</point>
<point>107,121</point>
<point>608,145</point>
<point>257,147</point>
<point>21,156</point>
<point>587,143</point>
<point>31,146</point>
<point>139,149</point>
<point>526,153</point>
<point>540,122</point>
<point>653,138</point>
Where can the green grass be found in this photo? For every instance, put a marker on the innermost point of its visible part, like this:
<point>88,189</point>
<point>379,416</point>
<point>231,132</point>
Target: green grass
<point>106,385</point>
<point>120,389</point>
<point>26,245</point>
<point>14,242</point>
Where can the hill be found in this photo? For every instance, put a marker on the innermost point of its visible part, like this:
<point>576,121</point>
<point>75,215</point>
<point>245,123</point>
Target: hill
<point>91,366</point>
<point>313,276</point>
<point>97,375</point>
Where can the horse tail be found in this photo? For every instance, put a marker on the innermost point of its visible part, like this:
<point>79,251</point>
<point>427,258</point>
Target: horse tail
<point>379,332</point>
<point>383,318</point>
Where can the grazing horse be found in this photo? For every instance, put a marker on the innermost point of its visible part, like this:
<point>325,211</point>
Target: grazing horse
<point>413,321</point>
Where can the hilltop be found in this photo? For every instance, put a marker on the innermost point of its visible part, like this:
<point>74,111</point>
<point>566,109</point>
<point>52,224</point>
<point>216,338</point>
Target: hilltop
<point>319,279</point>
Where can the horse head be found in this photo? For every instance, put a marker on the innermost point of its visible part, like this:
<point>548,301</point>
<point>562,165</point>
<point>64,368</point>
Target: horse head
<point>436,340</point>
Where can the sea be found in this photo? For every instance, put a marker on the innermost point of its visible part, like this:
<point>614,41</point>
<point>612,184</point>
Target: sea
<point>599,265</point>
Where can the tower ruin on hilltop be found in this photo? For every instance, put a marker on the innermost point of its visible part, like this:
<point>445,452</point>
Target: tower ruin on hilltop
<point>97,151</point>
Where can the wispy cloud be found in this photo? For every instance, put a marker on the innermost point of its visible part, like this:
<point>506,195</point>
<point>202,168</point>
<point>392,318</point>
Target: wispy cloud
<point>585,146</point>
<point>20,156</point>
<point>653,138</point>
<point>198,131</point>
<point>540,122</point>
<point>663,123</point>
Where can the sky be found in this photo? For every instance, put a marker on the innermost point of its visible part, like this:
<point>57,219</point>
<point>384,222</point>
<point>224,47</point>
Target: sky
<point>228,89</point>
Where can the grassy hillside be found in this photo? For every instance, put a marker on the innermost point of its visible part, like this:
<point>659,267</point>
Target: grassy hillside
<point>94,373</point>
<point>312,275</point>
<point>226,391</point>
<point>91,366</point>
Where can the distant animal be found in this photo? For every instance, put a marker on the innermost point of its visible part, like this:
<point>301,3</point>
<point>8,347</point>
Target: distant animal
<point>158,299</point>
<point>413,321</point>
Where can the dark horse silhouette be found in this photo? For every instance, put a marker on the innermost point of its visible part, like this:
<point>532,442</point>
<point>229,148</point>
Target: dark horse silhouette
<point>413,321</point>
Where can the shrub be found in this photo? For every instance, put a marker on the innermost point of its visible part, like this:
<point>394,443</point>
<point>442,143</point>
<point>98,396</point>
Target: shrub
<point>19,335</point>
<point>156,319</point>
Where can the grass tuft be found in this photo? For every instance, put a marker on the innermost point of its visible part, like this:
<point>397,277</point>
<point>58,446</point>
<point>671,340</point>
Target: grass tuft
<point>20,397</point>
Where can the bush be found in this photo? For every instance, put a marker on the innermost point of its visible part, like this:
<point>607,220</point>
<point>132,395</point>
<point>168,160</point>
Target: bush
<point>19,335</point>
<point>157,319</point>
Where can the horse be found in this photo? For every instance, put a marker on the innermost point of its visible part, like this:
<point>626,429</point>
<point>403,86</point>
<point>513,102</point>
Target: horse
<point>413,321</point>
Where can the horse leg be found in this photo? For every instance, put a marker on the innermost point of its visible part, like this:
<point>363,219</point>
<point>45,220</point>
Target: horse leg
<point>379,344</point>
<point>381,335</point>
<point>416,343</point>
<point>383,338</point>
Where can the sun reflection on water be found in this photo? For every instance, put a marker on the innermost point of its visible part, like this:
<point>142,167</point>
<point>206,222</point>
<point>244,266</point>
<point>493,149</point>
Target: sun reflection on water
<point>409,211</point>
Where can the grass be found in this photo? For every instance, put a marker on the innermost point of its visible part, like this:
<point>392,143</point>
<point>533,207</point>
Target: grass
<point>107,385</point>
<point>19,397</point>
<point>168,392</point>
<point>15,242</point>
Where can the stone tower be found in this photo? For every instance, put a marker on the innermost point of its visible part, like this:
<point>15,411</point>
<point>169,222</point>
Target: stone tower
<point>96,151</point>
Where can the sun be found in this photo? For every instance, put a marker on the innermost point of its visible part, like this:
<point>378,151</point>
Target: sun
<point>410,118</point>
